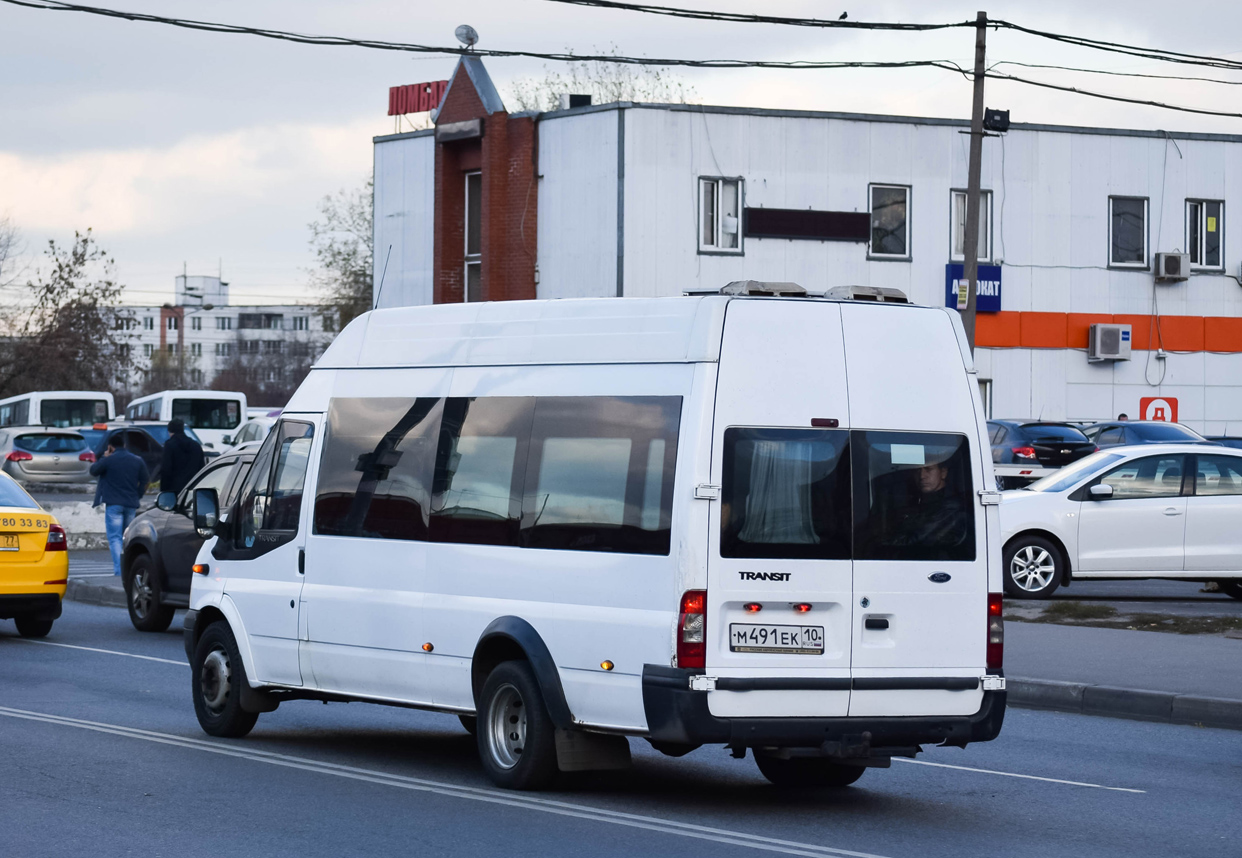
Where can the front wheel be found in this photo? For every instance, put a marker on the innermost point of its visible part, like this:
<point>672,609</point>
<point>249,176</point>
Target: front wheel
<point>516,737</point>
<point>1033,568</point>
<point>144,595</point>
<point>32,628</point>
<point>807,771</point>
<point>1231,588</point>
<point>218,677</point>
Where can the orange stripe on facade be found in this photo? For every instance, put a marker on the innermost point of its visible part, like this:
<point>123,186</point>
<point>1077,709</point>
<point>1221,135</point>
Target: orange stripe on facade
<point>1011,330</point>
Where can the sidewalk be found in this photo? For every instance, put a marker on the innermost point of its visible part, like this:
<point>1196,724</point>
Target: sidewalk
<point>91,580</point>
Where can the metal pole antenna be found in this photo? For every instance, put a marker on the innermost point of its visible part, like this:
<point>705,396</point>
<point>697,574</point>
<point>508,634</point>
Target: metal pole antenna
<point>970,247</point>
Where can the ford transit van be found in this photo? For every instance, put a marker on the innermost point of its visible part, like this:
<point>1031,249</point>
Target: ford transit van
<point>759,519</point>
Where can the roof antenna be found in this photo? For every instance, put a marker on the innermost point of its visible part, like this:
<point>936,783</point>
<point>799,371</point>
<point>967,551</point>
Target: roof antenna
<point>380,290</point>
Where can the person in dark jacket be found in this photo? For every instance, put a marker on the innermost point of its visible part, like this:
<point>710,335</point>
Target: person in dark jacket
<point>183,458</point>
<point>123,479</point>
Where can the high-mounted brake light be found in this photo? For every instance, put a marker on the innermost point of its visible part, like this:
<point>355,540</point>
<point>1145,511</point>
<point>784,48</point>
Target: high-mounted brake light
<point>1024,453</point>
<point>88,456</point>
<point>19,456</point>
<point>692,630</point>
<point>802,607</point>
<point>996,631</point>
<point>56,540</point>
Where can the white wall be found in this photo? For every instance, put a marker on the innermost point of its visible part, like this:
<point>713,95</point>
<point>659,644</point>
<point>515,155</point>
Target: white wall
<point>404,215</point>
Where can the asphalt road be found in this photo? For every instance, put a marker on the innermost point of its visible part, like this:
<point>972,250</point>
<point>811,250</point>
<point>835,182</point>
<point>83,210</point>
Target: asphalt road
<point>102,756</point>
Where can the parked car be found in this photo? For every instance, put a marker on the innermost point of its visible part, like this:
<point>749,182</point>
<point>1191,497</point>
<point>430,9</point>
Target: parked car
<point>1035,442</point>
<point>159,546</point>
<point>1119,433</point>
<point>254,429</point>
<point>36,454</point>
<point>1151,511</point>
<point>1226,440</point>
<point>142,439</point>
<point>34,561</point>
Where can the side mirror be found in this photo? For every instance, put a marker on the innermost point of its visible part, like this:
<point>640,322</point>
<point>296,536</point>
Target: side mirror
<point>206,512</point>
<point>1100,491</point>
<point>166,501</point>
<point>228,439</point>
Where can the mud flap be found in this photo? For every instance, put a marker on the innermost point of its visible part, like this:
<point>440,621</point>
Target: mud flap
<point>577,751</point>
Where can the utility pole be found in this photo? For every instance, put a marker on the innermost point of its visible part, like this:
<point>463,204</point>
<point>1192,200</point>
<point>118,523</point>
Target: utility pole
<point>970,249</point>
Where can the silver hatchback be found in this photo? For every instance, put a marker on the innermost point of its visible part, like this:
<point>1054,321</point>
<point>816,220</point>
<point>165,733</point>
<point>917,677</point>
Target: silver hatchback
<point>38,454</point>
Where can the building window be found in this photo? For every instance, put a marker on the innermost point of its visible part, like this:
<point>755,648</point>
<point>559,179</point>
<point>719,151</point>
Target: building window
<point>196,323</point>
<point>956,252</point>
<point>301,323</point>
<point>273,347</point>
<point>720,206</point>
<point>224,323</point>
<point>1127,232</point>
<point>249,347</point>
<point>196,349</point>
<point>1205,230</point>
<point>172,323</point>
<point>148,323</point>
<point>890,222</point>
<point>196,376</point>
<point>474,237</point>
<point>300,349</point>
<point>172,348</point>
<point>147,349</point>
<point>224,349</point>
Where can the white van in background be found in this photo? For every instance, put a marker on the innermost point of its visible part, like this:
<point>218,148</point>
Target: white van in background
<point>212,414</point>
<point>59,408</point>
<point>762,522</point>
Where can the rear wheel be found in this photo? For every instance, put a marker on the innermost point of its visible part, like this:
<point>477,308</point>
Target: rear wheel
<point>516,738</point>
<point>28,627</point>
<point>1033,568</point>
<point>217,680</point>
<point>144,597</point>
<point>1232,588</point>
<point>807,771</point>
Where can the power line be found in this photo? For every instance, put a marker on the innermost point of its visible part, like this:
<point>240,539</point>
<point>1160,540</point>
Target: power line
<point>1130,50</point>
<point>1088,93</point>
<point>1117,73</point>
<point>741,18</point>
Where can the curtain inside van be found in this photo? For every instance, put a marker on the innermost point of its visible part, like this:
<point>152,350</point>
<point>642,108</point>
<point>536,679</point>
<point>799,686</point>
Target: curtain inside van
<point>778,507</point>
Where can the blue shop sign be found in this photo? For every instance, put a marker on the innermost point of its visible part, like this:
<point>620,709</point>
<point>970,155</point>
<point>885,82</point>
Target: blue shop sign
<point>988,299</point>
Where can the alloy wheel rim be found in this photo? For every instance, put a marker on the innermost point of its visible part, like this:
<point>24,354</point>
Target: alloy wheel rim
<point>214,680</point>
<point>507,729</point>
<point>141,598</point>
<point>1032,568</point>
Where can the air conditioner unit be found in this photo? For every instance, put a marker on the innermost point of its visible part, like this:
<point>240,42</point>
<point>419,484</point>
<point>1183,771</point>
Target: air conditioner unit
<point>1171,267</point>
<point>1108,342</point>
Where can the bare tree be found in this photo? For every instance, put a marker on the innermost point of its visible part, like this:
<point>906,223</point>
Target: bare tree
<point>170,371</point>
<point>343,243</point>
<point>604,82</point>
<point>10,247</point>
<point>267,371</point>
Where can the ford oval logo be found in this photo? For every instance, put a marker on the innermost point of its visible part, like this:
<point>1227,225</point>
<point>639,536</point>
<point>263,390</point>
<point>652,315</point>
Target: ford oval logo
<point>939,577</point>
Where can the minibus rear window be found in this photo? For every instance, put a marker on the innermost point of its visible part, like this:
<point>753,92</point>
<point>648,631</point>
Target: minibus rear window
<point>913,497</point>
<point>63,413</point>
<point>208,413</point>
<point>786,494</point>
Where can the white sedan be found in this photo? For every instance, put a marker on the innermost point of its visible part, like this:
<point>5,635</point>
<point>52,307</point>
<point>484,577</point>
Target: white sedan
<point>1155,511</point>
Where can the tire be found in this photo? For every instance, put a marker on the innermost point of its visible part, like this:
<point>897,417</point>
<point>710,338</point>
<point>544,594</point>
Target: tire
<point>516,738</point>
<point>217,677</point>
<point>1231,588</point>
<point>807,771</point>
<point>32,628</point>
<point>1033,567</point>
<point>470,723</point>
<point>143,595</point>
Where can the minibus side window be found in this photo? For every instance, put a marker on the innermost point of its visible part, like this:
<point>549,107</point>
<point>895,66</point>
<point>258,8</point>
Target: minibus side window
<point>375,473</point>
<point>480,465</point>
<point>272,496</point>
<point>913,496</point>
<point>786,494</point>
<point>600,473</point>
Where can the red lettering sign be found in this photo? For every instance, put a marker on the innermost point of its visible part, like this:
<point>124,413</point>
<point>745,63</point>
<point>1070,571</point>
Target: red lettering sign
<point>1158,408</point>
<point>415,97</point>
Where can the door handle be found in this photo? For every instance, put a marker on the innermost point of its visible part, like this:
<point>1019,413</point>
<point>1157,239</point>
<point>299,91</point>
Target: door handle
<point>1172,510</point>
<point>301,561</point>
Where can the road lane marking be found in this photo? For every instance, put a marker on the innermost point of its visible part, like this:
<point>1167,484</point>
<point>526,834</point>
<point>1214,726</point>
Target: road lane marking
<point>1016,775</point>
<point>105,651</point>
<point>560,808</point>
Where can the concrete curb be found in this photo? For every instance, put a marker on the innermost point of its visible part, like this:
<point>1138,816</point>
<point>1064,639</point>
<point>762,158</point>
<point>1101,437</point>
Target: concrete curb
<point>1133,703</point>
<point>90,592</point>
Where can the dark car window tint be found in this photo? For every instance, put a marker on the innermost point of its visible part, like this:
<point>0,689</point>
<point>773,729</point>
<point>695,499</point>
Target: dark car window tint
<point>1054,433</point>
<point>1219,475</point>
<point>1150,477</point>
<point>480,464</point>
<point>208,413</point>
<point>1111,436</point>
<point>913,497</point>
<point>241,471</point>
<point>375,472</point>
<point>1171,432</point>
<point>786,494</point>
<point>72,412</point>
<point>600,473</point>
<point>138,442</point>
<point>50,443</point>
<point>11,494</point>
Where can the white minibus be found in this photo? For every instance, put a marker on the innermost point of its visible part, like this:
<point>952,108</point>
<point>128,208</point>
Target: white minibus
<point>758,519</point>
<point>60,408</point>
<point>213,414</point>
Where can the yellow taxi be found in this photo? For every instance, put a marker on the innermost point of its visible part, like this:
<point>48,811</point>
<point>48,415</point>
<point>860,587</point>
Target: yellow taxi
<point>34,561</point>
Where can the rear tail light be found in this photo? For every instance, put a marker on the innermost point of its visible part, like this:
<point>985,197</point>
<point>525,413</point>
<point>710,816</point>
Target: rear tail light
<point>88,456</point>
<point>1024,453</point>
<point>19,456</point>
<point>1096,450</point>
<point>996,631</point>
<point>56,540</point>
<point>692,630</point>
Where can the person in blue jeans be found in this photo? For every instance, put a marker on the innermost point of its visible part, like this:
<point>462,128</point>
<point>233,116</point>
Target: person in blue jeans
<point>123,478</point>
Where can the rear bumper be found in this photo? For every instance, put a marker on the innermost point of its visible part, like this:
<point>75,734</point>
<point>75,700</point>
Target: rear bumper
<point>678,715</point>
<point>36,606</point>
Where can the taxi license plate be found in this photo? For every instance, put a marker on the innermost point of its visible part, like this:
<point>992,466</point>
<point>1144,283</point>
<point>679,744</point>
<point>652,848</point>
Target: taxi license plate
<point>8,542</point>
<point>804,640</point>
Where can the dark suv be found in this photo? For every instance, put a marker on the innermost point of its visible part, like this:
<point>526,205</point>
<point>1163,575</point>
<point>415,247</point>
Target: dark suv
<point>1117,433</point>
<point>161,543</point>
<point>1037,443</point>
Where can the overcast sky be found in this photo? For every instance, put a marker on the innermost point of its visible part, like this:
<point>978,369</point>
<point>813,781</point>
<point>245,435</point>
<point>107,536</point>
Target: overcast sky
<point>212,151</point>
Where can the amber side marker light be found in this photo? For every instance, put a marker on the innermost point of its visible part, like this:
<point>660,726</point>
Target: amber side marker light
<point>427,647</point>
<point>606,664</point>
<point>201,568</point>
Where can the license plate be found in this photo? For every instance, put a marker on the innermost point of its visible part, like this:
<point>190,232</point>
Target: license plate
<point>805,640</point>
<point>8,542</point>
